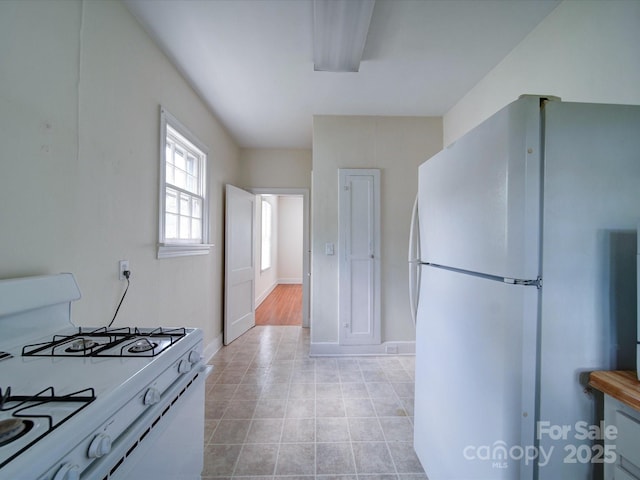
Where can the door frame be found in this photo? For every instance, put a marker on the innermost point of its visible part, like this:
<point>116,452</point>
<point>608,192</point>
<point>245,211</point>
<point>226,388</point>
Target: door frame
<point>306,246</point>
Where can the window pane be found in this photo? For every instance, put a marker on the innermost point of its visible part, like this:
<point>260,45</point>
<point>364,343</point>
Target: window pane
<point>179,159</point>
<point>192,184</point>
<point>192,165</point>
<point>170,226</point>
<point>169,174</point>
<point>168,153</point>
<point>196,229</point>
<point>196,207</point>
<point>185,228</point>
<point>196,167</point>
<point>265,261</point>
<point>185,204</point>
<point>180,179</point>
<point>171,201</point>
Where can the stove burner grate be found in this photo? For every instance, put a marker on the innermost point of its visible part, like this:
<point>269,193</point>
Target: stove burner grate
<point>23,408</point>
<point>100,342</point>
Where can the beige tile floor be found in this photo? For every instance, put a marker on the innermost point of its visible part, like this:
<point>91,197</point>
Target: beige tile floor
<point>274,412</point>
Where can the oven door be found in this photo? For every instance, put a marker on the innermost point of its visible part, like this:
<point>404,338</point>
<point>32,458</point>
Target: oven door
<point>167,442</point>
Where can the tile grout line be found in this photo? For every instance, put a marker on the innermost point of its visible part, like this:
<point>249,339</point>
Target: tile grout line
<point>284,414</point>
<point>235,466</point>
<point>384,435</point>
<point>246,436</point>
<point>353,453</point>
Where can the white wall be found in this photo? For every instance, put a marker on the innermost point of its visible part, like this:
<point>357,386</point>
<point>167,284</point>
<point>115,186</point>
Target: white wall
<point>584,51</point>
<point>290,231</point>
<point>275,168</point>
<point>396,145</point>
<point>79,125</point>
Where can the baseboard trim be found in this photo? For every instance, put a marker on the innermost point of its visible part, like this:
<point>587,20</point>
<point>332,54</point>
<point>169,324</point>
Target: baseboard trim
<point>289,281</point>
<point>324,349</point>
<point>265,294</point>
<point>213,348</point>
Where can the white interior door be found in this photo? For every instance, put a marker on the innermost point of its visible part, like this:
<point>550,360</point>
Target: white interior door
<point>239,306</point>
<point>359,257</point>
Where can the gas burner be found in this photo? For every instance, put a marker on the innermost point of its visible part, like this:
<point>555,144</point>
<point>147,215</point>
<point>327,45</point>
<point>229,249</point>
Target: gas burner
<point>142,345</point>
<point>12,429</point>
<point>82,345</point>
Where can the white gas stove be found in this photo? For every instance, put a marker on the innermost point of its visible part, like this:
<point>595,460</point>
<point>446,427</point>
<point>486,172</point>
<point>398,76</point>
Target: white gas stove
<point>94,403</point>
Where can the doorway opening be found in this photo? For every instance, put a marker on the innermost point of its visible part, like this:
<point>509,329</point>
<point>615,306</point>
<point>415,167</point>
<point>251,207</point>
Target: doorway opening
<point>282,254</point>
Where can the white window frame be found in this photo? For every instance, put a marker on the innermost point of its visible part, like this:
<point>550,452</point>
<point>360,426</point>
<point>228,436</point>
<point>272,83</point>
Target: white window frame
<point>174,247</point>
<point>266,228</point>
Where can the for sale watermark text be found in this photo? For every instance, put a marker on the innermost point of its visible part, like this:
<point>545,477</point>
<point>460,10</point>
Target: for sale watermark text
<point>580,431</point>
<point>581,450</point>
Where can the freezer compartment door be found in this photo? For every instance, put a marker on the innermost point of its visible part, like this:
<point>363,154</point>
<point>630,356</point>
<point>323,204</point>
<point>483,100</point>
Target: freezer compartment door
<point>475,377</point>
<point>479,199</point>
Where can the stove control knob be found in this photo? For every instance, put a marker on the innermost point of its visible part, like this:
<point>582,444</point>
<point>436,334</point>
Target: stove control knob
<point>194,357</point>
<point>68,471</point>
<point>184,366</point>
<point>151,397</point>
<point>100,445</point>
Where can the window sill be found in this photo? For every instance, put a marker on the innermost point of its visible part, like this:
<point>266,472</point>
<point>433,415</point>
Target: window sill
<point>170,250</point>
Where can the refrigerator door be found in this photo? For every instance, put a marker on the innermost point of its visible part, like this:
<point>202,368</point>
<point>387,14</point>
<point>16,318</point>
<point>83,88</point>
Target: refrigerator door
<point>479,199</point>
<point>591,211</point>
<point>475,377</point>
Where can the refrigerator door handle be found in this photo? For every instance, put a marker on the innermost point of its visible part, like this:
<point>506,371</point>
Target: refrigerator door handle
<point>414,234</point>
<point>413,258</point>
<point>527,283</point>
<point>415,273</point>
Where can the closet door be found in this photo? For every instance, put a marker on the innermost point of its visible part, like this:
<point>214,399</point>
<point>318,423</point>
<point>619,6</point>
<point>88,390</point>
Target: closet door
<point>359,246</point>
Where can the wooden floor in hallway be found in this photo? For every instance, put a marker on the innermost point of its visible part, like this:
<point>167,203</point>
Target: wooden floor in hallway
<point>283,306</point>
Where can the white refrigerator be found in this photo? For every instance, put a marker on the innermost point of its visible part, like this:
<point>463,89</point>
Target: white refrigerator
<point>524,228</point>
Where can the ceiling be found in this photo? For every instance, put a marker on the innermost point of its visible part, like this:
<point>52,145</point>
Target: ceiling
<point>251,60</point>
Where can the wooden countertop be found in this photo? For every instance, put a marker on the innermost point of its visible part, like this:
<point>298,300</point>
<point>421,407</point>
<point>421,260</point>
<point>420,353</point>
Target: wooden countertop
<point>622,385</point>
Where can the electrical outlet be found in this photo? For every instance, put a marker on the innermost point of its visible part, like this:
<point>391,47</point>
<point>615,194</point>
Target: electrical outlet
<point>391,349</point>
<point>123,265</point>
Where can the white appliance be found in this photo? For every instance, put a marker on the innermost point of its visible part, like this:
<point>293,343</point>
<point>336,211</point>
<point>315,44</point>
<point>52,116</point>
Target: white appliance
<point>515,305</point>
<point>94,403</point>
